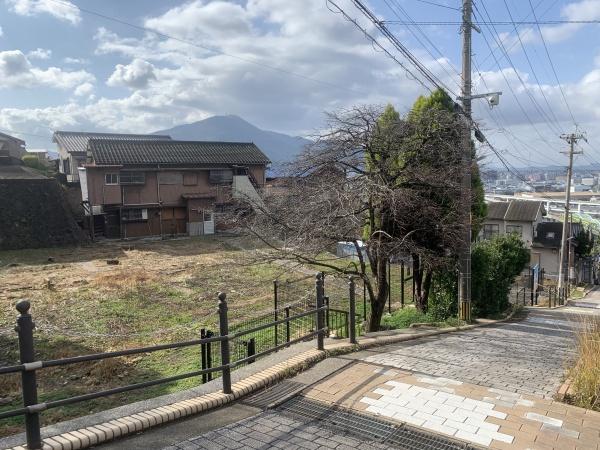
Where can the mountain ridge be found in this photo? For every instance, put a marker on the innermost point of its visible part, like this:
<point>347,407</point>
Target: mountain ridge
<point>279,147</point>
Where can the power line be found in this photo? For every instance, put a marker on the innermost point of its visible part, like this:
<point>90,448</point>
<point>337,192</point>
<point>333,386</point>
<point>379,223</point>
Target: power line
<point>436,49</point>
<point>498,41</point>
<point>438,4</point>
<point>532,69</point>
<point>492,22</point>
<point>400,47</point>
<point>207,48</point>
<point>374,41</point>
<point>552,64</point>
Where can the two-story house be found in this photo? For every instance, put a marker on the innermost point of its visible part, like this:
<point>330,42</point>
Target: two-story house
<point>514,216</point>
<point>72,148</point>
<point>138,188</point>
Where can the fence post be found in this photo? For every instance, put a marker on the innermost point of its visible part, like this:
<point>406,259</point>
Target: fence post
<point>203,355</point>
<point>275,307</point>
<point>251,349</point>
<point>402,284</point>
<point>320,315</point>
<point>224,332</point>
<point>364,299</point>
<point>327,318</point>
<point>287,324</point>
<point>389,267</point>
<point>531,284</point>
<point>352,319</point>
<point>209,334</point>
<point>24,329</point>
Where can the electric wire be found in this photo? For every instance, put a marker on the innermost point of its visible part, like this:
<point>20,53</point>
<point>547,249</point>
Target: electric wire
<point>494,33</point>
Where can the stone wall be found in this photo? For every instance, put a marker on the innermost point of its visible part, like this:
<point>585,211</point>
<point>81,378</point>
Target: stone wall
<point>34,213</point>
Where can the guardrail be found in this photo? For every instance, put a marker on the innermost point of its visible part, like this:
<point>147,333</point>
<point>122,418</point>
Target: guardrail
<point>29,366</point>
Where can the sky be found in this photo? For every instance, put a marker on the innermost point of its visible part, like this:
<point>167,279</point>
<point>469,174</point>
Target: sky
<point>143,65</point>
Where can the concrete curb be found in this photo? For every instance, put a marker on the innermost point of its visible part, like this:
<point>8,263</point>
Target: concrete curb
<point>140,421</point>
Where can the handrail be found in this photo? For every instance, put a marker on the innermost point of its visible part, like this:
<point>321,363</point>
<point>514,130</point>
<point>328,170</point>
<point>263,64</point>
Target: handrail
<point>29,366</point>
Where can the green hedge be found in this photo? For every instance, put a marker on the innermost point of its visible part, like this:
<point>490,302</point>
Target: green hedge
<point>495,264</point>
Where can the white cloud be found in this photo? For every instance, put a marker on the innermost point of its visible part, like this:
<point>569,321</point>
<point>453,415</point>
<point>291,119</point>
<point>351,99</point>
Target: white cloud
<point>136,75</point>
<point>172,82</point>
<point>17,71</point>
<point>39,53</point>
<point>74,61</point>
<point>583,10</point>
<point>84,89</point>
<point>63,10</point>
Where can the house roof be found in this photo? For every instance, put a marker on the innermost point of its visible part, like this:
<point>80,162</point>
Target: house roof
<point>9,137</point>
<point>548,234</point>
<point>77,141</point>
<point>174,153</point>
<point>514,210</point>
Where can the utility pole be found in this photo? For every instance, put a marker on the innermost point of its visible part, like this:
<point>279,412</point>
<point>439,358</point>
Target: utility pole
<point>464,282</point>
<point>571,140</point>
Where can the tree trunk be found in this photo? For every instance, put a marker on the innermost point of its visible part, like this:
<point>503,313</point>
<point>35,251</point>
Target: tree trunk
<point>422,284</point>
<point>379,300</point>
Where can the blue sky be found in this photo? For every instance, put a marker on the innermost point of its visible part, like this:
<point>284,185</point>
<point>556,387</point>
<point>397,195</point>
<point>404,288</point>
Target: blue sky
<point>62,68</point>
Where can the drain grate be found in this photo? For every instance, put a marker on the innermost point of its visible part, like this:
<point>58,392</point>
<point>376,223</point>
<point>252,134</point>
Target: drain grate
<point>275,395</point>
<point>411,439</point>
<point>367,427</point>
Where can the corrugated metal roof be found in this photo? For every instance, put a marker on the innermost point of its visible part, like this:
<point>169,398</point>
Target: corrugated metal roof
<point>522,210</point>
<point>77,141</point>
<point>496,210</point>
<point>174,153</point>
<point>514,210</point>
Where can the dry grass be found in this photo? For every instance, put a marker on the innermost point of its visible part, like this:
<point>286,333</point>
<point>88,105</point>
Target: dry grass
<point>585,374</point>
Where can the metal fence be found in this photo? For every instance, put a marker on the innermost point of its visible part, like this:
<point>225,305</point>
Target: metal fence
<point>221,352</point>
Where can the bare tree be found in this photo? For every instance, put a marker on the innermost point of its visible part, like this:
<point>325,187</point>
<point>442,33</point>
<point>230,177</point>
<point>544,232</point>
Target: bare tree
<point>370,177</point>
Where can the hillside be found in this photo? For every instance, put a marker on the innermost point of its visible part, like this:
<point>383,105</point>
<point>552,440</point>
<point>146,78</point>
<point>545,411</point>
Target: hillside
<point>278,147</point>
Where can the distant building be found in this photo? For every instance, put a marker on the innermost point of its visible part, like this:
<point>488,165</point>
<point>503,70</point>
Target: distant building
<point>135,188</point>
<point>41,153</point>
<point>545,250</point>
<point>514,216</point>
<point>12,146</point>
<point>72,148</point>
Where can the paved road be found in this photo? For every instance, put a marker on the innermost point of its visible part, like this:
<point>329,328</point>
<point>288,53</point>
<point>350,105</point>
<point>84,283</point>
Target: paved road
<point>526,358</point>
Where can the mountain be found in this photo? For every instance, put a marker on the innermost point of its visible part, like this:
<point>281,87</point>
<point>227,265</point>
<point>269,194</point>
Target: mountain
<point>278,147</point>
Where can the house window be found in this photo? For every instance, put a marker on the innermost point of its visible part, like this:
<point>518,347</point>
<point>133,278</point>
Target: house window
<point>550,235</point>
<point>220,176</point>
<point>518,229</point>
<point>133,177</point>
<point>111,178</point>
<point>134,215</point>
<point>490,230</point>
<point>66,166</point>
<point>175,178</point>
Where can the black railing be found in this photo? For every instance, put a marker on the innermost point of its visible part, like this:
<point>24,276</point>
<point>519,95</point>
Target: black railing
<point>222,352</point>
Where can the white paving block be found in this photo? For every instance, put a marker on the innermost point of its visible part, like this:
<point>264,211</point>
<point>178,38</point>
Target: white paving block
<point>496,435</point>
<point>496,414</point>
<point>471,437</point>
<point>482,424</point>
<point>430,417</point>
<point>544,419</point>
<point>461,426</point>
<point>438,428</point>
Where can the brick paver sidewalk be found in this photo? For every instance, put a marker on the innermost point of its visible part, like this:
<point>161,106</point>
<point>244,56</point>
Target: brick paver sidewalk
<point>484,416</point>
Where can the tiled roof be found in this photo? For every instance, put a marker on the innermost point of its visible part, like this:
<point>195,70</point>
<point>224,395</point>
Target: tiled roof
<point>174,153</point>
<point>515,210</point>
<point>77,142</point>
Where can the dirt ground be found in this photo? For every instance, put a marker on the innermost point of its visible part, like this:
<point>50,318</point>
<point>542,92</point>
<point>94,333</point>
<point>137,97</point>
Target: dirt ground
<point>159,292</point>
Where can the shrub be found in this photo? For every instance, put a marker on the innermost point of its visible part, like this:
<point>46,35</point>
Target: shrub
<point>443,300</point>
<point>495,264</point>
<point>34,162</point>
<point>585,374</point>
<point>403,318</point>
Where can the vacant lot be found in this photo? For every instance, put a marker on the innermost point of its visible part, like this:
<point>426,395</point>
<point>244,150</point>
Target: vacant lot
<point>161,291</point>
